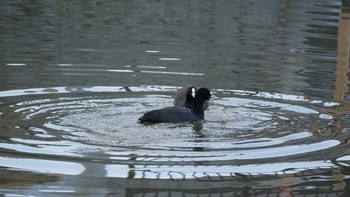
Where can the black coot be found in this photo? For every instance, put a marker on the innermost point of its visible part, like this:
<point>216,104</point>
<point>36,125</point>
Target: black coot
<point>185,97</point>
<point>179,114</point>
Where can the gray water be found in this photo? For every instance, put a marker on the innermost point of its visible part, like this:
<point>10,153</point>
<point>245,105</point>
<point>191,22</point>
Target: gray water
<point>76,76</point>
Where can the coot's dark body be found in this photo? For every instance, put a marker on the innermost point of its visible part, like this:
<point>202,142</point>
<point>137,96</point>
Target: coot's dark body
<point>170,114</point>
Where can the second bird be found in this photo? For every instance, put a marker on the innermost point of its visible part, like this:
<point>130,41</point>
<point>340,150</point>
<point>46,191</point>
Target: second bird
<point>185,97</point>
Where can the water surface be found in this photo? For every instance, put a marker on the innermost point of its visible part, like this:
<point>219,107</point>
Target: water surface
<point>76,76</point>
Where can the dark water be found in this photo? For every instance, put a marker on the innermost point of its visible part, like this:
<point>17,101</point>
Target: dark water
<point>76,75</point>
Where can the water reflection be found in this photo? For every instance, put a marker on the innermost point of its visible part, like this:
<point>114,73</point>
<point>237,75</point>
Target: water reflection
<point>241,47</point>
<point>43,166</point>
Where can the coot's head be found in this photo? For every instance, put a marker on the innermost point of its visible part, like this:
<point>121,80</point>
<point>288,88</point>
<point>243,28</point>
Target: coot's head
<point>203,94</point>
<point>191,93</point>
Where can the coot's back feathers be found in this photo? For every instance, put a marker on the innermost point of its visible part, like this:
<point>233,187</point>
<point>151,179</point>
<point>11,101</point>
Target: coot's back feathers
<point>170,114</point>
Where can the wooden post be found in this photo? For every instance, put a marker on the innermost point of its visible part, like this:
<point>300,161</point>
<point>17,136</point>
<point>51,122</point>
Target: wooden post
<point>343,56</point>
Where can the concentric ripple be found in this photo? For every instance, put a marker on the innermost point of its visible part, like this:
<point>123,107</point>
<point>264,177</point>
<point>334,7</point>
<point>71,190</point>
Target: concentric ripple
<point>244,132</point>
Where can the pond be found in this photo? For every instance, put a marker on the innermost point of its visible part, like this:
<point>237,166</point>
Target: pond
<point>76,76</point>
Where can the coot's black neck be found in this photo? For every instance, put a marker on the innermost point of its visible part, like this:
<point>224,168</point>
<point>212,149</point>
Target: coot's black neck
<point>198,107</point>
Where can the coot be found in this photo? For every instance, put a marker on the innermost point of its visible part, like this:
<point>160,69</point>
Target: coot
<point>180,114</point>
<point>185,97</point>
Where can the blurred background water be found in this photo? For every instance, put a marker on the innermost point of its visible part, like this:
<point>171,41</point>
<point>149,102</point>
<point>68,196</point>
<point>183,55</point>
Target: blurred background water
<point>76,75</point>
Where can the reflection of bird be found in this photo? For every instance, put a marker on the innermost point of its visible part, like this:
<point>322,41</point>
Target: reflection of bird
<point>185,97</point>
<point>178,113</point>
